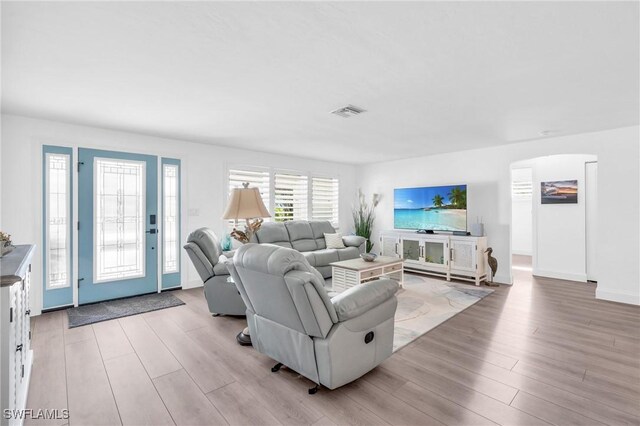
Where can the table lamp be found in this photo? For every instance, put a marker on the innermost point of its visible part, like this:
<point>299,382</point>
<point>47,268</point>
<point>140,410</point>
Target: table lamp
<point>245,203</point>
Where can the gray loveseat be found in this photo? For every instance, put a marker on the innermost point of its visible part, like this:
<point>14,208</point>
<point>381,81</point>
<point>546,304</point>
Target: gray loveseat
<point>307,237</point>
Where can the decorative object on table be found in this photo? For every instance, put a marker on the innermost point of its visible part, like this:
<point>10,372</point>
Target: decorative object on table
<point>364,216</point>
<point>477,229</point>
<point>559,192</point>
<point>5,243</point>
<point>368,257</point>
<point>246,203</point>
<point>225,244</point>
<point>493,265</point>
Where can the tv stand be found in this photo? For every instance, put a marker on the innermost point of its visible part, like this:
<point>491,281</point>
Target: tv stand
<point>448,256</point>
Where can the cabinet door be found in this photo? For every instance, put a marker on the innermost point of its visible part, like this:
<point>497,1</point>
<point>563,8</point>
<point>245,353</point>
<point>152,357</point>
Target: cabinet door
<point>463,255</point>
<point>14,357</point>
<point>412,250</point>
<point>389,246</point>
<point>436,253</point>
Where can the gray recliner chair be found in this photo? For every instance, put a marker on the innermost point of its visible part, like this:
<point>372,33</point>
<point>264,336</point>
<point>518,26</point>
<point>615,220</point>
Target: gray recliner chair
<point>292,319</point>
<point>204,251</point>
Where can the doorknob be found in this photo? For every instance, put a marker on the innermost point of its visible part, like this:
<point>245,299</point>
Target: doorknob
<point>153,231</point>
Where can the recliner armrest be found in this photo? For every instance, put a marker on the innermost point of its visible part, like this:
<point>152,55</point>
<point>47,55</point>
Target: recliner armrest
<point>200,261</point>
<point>363,297</point>
<point>353,240</point>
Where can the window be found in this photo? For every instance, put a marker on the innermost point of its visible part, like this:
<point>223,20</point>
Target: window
<point>57,220</point>
<point>170,218</point>
<point>291,197</point>
<point>257,178</point>
<point>521,190</point>
<point>325,199</point>
<point>119,219</point>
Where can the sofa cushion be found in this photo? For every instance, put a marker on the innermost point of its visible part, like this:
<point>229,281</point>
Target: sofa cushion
<point>206,239</point>
<point>301,235</point>
<point>348,253</point>
<point>325,257</point>
<point>310,256</point>
<point>273,233</point>
<point>319,228</point>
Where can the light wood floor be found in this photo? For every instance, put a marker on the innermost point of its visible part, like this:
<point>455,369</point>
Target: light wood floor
<point>541,351</point>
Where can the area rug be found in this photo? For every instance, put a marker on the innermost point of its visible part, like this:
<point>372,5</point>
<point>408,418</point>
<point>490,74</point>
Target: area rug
<point>112,309</point>
<point>424,303</point>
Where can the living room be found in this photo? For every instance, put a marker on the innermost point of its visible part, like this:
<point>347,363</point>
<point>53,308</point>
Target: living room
<point>328,109</point>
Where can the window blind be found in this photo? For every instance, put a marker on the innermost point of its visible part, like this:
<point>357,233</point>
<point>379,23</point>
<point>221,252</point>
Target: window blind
<point>291,197</point>
<point>324,199</point>
<point>521,190</point>
<point>257,179</point>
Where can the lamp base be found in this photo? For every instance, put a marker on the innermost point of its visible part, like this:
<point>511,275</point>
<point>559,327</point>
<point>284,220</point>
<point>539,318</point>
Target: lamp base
<point>244,338</point>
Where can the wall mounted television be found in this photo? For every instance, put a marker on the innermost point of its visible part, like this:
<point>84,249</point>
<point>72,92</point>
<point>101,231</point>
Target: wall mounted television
<point>437,208</point>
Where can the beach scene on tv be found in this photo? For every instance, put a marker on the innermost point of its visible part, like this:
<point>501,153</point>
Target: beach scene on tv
<point>438,208</point>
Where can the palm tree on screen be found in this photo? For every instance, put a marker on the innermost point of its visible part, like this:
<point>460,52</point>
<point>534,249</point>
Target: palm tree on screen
<point>438,200</point>
<point>458,198</point>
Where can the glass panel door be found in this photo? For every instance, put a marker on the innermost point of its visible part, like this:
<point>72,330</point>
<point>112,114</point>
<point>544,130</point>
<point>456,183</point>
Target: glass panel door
<point>411,251</point>
<point>57,219</point>
<point>117,236</point>
<point>170,223</point>
<point>435,253</point>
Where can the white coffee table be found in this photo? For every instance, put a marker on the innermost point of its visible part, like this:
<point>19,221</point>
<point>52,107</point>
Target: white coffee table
<point>349,273</point>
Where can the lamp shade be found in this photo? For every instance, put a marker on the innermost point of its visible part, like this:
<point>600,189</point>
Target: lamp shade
<point>245,203</point>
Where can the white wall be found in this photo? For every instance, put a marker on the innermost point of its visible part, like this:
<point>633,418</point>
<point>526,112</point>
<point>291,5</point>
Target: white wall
<point>560,229</point>
<point>521,216</point>
<point>487,174</point>
<point>204,180</point>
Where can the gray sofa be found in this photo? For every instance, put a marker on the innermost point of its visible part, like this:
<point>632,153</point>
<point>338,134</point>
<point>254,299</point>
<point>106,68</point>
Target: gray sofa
<point>204,251</point>
<point>292,319</point>
<point>307,237</point>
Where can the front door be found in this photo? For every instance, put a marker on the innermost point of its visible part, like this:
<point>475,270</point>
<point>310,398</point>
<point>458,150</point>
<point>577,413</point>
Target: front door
<point>117,234</point>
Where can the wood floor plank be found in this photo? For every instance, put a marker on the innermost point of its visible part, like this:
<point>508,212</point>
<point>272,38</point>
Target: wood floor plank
<point>153,354</point>
<point>111,339</point>
<point>91,401</point>
<point>136,396</point>
<point>239,407</point>
<point>184,400</point>
<point>550,412</point>
<point>386,406</point>
<point>439,407</point>
<point>204,367</point>
<point>48,385</point>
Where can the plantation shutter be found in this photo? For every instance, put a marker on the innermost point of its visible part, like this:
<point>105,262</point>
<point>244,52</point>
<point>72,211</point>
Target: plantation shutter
<point>521,190</point>
<point>257,179</point>
<point>291,197</point>
<point>324,199</point>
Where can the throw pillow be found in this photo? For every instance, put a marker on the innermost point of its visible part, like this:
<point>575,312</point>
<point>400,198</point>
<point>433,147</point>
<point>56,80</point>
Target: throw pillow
<point>334,241</point>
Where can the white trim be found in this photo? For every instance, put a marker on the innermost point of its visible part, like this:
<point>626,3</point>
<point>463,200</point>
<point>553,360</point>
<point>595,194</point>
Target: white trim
<point>615,296</point>
<point>521,252</point>
<point>159,228</point>
<point>74,229</point>
<point>503,279</point>
<point>560,275</point>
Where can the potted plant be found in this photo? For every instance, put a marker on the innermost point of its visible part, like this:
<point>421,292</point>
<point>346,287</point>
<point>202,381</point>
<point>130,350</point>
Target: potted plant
<point>5,243</point>
<point>364,216</point>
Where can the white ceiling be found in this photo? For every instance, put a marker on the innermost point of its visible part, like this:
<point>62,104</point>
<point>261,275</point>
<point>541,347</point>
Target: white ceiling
<point>434,77</point>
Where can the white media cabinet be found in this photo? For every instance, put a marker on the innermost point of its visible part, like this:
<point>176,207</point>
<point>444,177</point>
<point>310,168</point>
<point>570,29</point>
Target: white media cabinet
<point>443,255</point>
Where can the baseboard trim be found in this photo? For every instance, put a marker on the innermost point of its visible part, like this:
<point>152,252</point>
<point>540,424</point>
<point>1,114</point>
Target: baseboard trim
<point>614,296</point>
<point>560,275</point>
<point>521,253</point>
<point>192,284</point>
<point>503,279</point>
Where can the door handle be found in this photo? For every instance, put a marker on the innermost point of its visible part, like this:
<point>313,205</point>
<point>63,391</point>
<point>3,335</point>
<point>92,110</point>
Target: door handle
<point>153,231</point>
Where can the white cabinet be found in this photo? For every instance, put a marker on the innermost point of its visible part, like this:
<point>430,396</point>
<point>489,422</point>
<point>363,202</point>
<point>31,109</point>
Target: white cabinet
<point>447,256</point>
<point>16,359</point>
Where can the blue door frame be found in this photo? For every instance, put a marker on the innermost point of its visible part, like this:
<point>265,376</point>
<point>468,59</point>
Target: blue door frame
<point>88,290</point>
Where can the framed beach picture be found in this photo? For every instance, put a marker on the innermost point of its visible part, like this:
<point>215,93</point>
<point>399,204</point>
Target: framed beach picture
<point>559,192</point>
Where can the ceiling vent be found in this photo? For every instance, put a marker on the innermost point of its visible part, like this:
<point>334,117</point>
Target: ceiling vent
<point>348,111</point>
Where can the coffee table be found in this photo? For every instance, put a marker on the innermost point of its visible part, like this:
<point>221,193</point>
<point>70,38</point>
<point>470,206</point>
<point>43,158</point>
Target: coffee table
<point>348,273</point>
